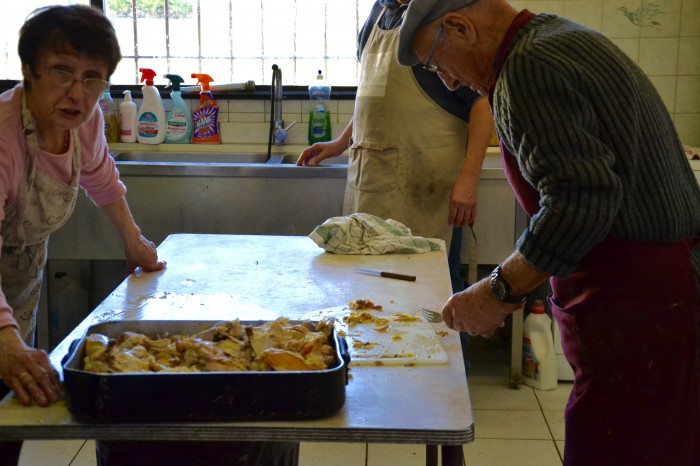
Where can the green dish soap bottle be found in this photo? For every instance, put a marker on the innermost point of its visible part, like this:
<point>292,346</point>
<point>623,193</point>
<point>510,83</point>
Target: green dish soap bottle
<point>178,123</point>
<point>319,116</point>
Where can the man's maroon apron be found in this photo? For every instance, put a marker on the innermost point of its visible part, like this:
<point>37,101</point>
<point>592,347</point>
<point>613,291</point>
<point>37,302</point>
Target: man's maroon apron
<point>629,328</point>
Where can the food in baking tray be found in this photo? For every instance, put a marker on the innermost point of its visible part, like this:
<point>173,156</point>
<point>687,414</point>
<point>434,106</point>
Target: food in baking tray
<point>277,345</point>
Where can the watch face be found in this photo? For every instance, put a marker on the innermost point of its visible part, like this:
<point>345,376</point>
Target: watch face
<point>499,290</point>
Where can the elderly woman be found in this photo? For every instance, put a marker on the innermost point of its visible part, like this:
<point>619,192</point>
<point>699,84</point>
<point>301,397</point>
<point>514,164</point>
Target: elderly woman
<point>52,143</point>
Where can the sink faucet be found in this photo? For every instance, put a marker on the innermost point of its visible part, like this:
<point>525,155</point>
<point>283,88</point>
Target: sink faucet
<point>277,128</point>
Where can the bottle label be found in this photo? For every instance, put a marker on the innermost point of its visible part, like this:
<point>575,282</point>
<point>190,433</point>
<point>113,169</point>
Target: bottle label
<point>319,125</point>
<point>111,127</point>
<point>148,125</point>
<point>531,365</point>
<point>206,126</point>
<point>176,126</point>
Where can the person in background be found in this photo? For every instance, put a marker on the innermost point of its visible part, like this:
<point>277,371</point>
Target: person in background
<point>593,157</point>
<point>52,143</point>
<point>416,148</point>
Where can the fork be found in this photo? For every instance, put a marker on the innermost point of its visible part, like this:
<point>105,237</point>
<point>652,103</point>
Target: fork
<point>430,316</point>
<point>436,317</point>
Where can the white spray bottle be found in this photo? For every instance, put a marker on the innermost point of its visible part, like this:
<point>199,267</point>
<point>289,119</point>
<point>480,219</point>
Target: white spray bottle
<point>150,119</point>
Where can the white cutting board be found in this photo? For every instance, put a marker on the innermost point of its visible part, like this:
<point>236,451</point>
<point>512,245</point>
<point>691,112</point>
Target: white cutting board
<point>402,343</point>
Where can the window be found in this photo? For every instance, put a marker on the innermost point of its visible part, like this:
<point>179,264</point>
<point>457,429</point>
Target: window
<point>231,40</point>
<point>13,16</point>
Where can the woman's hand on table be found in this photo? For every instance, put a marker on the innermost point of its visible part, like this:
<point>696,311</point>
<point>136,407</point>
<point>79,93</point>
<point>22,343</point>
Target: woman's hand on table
<point>476,311</point>
<point>140,252</point>
<point>27,371</point>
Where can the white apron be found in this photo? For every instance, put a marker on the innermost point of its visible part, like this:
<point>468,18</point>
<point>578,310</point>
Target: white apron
<point>43,205</point>
<point>406,150</point>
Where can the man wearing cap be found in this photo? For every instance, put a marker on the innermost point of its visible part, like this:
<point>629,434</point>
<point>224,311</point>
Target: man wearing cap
<point>594,158</point>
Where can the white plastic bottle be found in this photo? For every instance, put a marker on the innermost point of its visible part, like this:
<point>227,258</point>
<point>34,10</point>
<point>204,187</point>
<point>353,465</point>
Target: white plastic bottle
<point>150,119</point>
<point>539,360</point>
<point>127,118</point>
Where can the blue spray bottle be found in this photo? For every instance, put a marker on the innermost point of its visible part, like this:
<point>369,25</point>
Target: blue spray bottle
<point>178,123</point>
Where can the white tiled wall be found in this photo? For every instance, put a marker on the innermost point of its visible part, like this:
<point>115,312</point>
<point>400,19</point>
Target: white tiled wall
<point>248,121</point>
<point>668,53</point>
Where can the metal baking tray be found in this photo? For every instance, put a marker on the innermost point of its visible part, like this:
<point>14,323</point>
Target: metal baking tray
<point>199,396</point>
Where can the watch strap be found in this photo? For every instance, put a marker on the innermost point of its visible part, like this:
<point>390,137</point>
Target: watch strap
<point>502,290</point>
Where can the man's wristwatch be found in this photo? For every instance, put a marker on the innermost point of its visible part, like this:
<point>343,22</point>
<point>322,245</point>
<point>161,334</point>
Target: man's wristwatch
<point>501,289</point>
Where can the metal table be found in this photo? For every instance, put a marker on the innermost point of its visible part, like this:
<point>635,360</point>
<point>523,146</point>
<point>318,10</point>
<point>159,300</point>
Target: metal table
<point>211,277</point>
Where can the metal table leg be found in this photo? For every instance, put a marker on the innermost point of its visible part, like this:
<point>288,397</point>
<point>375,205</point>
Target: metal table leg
<point>431,455</point>
<point>452,455</point>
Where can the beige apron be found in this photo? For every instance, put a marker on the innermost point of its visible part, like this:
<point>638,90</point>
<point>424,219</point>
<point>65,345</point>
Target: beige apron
<point>406,150</point>
<point>42,206</point>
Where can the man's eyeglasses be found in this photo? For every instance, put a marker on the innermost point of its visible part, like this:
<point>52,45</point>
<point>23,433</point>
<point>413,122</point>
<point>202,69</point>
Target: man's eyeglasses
<point>429,66</point>
<point>66,79</point>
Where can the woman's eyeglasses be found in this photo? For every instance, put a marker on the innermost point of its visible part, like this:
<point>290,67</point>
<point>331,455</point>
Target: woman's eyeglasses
<point>65,79</point>
<point>429,66</point>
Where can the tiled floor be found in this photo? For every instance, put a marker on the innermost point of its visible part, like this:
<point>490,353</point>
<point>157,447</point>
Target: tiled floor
<point>522,427</point>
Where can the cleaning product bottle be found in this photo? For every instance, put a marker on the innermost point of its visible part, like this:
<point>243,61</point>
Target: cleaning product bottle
<point>150,119</point>
<point>319,116</point>
<point>539,360</point>
<point>110,117</point>
<point>127,118</point>
<point>178,123</point>
<point>205,118</point>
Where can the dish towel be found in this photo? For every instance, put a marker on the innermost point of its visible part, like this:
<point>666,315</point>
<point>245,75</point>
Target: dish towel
<point>369,234</point>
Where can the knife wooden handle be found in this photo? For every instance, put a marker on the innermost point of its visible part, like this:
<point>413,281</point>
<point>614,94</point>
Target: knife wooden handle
<point>398,276</point>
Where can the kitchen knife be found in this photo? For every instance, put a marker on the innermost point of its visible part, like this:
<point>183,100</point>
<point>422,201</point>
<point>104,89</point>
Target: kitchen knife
<point>398,276</point>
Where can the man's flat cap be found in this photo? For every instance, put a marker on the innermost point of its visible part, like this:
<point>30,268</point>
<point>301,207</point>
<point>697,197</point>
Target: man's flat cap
<point>421,13</point>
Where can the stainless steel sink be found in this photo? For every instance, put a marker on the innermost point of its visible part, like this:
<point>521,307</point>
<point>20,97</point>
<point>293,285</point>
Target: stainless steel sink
<point>187,157</point>
<point>214,157</point>
<point>154,163</point>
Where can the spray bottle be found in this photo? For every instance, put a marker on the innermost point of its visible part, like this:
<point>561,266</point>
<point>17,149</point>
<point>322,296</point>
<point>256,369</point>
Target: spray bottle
<point>206,118</point>
<point>178,123</point>
<point>127,118</point>
<point>150,119</point>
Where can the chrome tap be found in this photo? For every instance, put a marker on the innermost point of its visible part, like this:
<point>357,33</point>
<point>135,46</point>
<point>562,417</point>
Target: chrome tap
<point>277,101</point>
<point>277,129</point>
